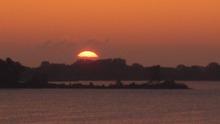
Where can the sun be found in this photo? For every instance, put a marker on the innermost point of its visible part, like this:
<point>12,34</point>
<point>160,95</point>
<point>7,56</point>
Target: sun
<point>88,55</point>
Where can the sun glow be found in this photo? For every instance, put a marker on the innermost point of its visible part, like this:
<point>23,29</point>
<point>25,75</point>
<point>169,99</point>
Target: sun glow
<point>88,55</point>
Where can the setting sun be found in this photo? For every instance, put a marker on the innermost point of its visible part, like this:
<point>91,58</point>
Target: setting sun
<point>88,55</point>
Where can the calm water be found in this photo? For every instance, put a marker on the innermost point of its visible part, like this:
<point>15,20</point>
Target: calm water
<point>82,106</point>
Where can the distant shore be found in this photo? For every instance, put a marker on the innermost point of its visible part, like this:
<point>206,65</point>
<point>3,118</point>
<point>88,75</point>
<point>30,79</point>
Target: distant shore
<point>117,85</point>
<point>12,73</point>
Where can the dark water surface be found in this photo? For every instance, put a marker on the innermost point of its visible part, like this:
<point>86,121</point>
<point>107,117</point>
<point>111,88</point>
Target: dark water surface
<point>201,105</point>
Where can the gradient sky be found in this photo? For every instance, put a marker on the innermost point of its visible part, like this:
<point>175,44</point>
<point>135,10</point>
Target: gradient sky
<point>149,32</point>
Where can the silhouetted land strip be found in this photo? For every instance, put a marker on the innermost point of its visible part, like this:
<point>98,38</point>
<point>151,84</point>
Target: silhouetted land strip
<point>120,85</point>
<point>10,74</point>
<point>117,85</point>
<point>117,69</point>
<point>15,75</point>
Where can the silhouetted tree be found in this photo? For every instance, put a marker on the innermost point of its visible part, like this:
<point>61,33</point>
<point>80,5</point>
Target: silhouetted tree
<point>213,71</point>
<point>45,64</point>
<point>10,73</point>
<point>117,69</point>
<point>155,74</point>
<point>91,85</point>
<point>38,80</point>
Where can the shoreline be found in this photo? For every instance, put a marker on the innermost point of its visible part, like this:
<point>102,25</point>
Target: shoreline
<point>117,85</point>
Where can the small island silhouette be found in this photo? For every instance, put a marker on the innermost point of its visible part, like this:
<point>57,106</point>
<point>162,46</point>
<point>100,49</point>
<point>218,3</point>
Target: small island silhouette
<point>15,75</point>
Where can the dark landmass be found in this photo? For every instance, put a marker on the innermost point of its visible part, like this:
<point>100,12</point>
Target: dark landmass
<point>120,85</point>
<point>117,69</point>
<point>15,75</point>
<point>117,85</point>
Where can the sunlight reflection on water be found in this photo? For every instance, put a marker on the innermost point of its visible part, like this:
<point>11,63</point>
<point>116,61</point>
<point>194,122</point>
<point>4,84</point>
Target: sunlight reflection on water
<point>84,106</point>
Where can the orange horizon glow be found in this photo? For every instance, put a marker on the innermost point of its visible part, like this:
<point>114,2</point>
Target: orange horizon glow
<point>165,32</point>
<point>88,55</point>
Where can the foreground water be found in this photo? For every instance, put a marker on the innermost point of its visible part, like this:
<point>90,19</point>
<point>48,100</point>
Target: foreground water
<point>83,106</point>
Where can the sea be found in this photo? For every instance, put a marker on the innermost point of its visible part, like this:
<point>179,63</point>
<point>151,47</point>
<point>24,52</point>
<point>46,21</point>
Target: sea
<point>198,105</point>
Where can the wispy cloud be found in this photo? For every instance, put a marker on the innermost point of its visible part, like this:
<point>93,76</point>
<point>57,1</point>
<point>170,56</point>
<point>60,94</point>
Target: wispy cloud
<point>56,44</point>
<point>96,41</point>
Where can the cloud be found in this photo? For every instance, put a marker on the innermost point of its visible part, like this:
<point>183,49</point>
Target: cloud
<point>56,44</point>
<point>96,41</point>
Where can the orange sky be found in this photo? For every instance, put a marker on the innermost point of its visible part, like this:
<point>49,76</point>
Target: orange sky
<point>165,32</point>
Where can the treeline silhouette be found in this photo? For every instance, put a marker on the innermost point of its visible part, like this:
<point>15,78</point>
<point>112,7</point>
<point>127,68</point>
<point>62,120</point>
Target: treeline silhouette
<point>15,75</point>
<point>10,73</point>
<point>10,76</point>
<point>120,85</point>
<point>117,69</point>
